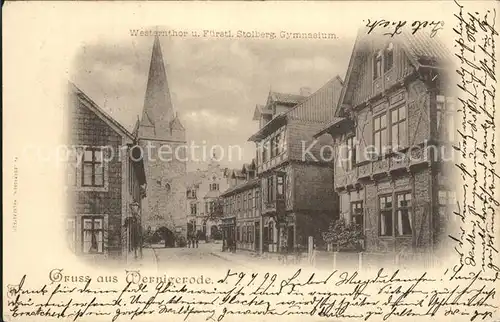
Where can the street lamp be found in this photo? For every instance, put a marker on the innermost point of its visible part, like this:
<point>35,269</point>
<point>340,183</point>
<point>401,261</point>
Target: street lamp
<point>135,207</point>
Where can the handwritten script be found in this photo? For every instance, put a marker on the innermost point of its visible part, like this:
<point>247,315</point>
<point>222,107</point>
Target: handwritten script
<point>475,43</point>
<point>341,295</point>
<point>392,28</point>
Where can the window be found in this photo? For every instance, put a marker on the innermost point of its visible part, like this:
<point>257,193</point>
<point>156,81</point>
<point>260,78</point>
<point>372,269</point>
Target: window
<point>445,118</point>
<point>398,127</point>
<point>71,233</point>
<point>245,201</point>
<point>385,204</point>
<point>191,194</point>
<point>244,234</point>
<point>257,199</point>
<point>238,233</point>
<point>403,214</point>
<point>380,133</point>
<point>270,189</point>
<point>277,144</point>
<point>93,235</point>
<point>207,207</point>
<point>265,151</point>
<point>250,234</point>
<point>214,187</point>
<point>272,147</point>
<point>93,168</point>
<point>72,174</point>
<point>446,200</point>
<point>283,141</point>
<point>271,232</point>
<point>351,153</point>
<point>250,200</point>
<point>388,57</point>
<point>280,186</point>
<point>357,212</point>
<point>193,209</point>
<point>377,65</point>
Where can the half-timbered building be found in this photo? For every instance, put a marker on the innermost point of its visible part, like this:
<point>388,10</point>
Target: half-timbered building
<point>242,222</point>
<point>392,136</point>
<point>298,200</point>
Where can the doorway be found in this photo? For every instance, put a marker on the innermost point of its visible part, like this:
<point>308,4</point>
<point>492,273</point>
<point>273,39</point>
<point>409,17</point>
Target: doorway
<point>257,236</point>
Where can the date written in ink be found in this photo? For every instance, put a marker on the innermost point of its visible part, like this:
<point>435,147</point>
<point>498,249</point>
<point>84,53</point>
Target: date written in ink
<point>392,28</point>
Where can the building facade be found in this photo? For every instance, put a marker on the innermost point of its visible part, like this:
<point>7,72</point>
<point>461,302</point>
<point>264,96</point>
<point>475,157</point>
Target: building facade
<point>242,222</point>
<point>203,188</point>
<point>163,140</point>
<point>296,182</point>
<point>391,136</point>
<point>106,183</point>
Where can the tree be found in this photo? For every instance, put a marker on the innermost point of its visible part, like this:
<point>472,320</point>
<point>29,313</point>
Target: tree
<point>216,210</point>
<point>344,235</point>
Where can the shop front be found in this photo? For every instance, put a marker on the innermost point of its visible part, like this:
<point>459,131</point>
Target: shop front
<point>228,232</point>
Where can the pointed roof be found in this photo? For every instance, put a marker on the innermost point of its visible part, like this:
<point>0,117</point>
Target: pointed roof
<point>259,110</point>
<point>158,112</point>
<point>176,124</point>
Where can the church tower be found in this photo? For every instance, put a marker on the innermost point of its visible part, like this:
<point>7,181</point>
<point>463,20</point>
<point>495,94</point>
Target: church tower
<point>163,140</point>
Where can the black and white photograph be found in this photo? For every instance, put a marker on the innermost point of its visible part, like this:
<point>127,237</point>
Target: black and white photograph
<point>231,157</point>
<point>224,161</point>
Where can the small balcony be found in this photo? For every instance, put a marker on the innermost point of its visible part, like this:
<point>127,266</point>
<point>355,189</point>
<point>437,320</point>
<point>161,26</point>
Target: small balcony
<point>274,206</point>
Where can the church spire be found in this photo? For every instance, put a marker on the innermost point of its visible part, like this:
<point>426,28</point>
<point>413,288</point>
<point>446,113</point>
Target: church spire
<point>158,111</point>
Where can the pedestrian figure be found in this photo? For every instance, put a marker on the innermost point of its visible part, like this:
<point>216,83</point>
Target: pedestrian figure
<point>189,242</point>
<point>224,244</point>
<point>197,242</point>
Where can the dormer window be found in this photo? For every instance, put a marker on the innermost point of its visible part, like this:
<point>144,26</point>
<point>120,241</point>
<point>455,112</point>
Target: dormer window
<point>377,65</point>
<point>214,187</point>
<point>388,57</point>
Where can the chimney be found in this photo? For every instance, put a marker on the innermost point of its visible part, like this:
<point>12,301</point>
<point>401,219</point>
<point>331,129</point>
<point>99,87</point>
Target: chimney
<point>305,91</point>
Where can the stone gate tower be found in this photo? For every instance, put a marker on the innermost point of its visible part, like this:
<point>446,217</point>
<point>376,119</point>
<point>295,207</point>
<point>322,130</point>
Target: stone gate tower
<point>163,140</point>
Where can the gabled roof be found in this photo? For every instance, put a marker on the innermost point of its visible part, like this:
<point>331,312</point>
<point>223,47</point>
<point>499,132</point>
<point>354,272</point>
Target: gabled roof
<point>319,107</point>
<point>248,167</point>
<point>336,124</point>
<point>424,50</point>
<point>108,119</point>
<point>241,187</point>
<point>285,98</point>
<point>237,174</point>
<point>259,110</point>
<point>421,49</point>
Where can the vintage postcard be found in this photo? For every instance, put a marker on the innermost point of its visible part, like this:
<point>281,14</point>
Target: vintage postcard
<point>256,161</point>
